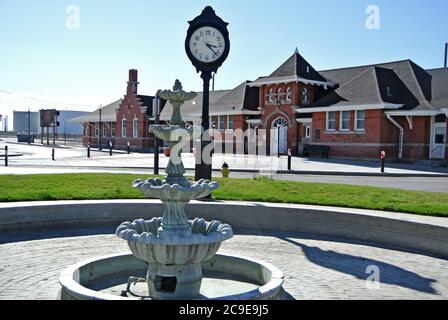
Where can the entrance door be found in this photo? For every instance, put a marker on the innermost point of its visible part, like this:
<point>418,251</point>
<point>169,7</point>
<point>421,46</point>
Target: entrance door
<point>279,136</point>
<point>438,139</point>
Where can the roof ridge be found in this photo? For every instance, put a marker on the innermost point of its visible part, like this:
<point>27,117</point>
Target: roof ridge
<point>354,78</point>
<point>416,80</point>
<point>365,65</point>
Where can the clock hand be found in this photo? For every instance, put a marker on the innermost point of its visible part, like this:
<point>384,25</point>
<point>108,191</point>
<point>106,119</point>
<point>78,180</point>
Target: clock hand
<point>210,47</point>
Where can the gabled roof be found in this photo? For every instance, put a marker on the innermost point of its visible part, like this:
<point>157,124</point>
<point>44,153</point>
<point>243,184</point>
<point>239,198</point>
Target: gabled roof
<point>439,92</point>
<point>241,99</point>
<point>296,65</point>
<point>410,85</point>
<point>294,69</point>
<point>191,109</point>
<point>108,114</point>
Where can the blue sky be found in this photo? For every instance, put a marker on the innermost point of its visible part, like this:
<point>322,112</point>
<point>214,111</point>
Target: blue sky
<point>40,57</point>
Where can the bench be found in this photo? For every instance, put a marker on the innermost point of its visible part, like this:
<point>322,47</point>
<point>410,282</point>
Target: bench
<point>311,149</point>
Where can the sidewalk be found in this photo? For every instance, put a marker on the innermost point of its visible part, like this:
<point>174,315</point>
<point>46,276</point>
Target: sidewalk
<point>75,157</point>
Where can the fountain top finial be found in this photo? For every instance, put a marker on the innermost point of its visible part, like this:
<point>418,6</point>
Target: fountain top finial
<point>177,85</point>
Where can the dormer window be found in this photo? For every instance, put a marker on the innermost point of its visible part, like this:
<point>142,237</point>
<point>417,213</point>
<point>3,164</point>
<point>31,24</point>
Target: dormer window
<point>279,95</point>
<point>389,93</point>
<point>307,69</point>
<point>288,94</point>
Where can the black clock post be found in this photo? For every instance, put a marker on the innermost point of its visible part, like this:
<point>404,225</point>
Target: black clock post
<point>207,18</point>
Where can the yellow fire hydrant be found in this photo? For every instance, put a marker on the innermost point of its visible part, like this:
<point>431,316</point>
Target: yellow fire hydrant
<point>225,170</point>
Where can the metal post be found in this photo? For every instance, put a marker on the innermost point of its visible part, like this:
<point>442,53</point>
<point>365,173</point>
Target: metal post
<point>88,151</point>
<point>128,148</point>
<point>446,55</point>
<point>6,156</point>
<point>204,170</point>
<point>52,154</point>
<point>100,135</point>
<point>383,156</point>
<point>156,140</point>
<point>289,159</point>
<point>110,148</point>
<point>278,142</point>
<point>29,126</point>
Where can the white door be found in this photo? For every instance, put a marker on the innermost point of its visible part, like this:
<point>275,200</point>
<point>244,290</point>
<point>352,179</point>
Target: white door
<point>438,140</point>
<point>279,136</point>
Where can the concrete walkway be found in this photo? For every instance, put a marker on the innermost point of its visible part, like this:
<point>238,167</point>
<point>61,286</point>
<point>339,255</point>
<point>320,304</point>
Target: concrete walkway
<point>315,267</point>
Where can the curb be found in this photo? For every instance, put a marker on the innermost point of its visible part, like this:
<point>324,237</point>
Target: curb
<point>286,172</point>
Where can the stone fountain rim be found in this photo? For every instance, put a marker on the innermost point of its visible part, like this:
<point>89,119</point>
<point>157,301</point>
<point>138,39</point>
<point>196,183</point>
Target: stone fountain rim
<point>69,274</point>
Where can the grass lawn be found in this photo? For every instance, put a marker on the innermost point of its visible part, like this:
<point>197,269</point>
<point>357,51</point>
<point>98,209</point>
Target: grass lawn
<point>118,186</point>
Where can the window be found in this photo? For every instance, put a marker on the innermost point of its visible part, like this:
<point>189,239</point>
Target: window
<point>135,128</point>
<point>288,94</point>
<point>344,124</point>
<point>229,122</point>
<point>123,128</point>
<point>389,93</point>
<point>331,121</point>
<point>279,94</point>
<point>360,120</point>
<point>97,131</point>
<point>271,96</point>
<point>439,135</point>
<point>221,124</point>
<point>212,124</point>
<point>104,131</point>
<point>307,131</point>
<point>305,98</point>
<point>112,129</point>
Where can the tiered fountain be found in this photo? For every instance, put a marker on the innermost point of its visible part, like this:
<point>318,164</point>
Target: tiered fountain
<point>175,250</point>
<point>174,247</point>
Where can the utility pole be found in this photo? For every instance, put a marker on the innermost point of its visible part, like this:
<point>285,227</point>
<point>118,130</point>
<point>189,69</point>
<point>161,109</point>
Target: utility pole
<point>29,126</point>
<point>446,55</point>
<point>156,140</point>
<point>100,147</point>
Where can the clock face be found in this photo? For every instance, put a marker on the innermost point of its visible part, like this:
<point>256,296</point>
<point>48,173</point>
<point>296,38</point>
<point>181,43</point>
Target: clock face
<point>207,44</point>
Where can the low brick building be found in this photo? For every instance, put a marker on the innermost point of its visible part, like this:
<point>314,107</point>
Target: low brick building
<point>122,122</point>
<point>357,112</point>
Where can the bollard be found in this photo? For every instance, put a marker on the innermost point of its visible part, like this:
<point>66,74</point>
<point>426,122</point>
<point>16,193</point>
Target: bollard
<point>129,148</point>
<point>383,156</point>
<point>110,148</point>
<point>52,154</point>
<point>289,159</point>
<point>6,156</point>
<point>88,151</point>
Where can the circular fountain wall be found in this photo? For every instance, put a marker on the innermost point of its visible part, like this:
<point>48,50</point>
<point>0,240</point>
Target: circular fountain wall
<point>228,277</point>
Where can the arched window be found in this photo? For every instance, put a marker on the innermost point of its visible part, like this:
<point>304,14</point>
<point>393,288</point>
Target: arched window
<point>271,96</point>
<point>279,95</point>
<point>305,97</point>
<point>279,122</point>
<point>288,94</point>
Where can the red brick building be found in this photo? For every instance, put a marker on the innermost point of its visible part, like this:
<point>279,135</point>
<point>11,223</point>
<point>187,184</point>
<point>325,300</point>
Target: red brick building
<point>123,121</point>
<point>357,112</point>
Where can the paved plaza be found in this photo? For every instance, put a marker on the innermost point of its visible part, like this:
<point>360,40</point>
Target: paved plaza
<point>315,267</point>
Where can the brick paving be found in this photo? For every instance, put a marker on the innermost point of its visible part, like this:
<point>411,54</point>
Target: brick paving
<point>315,267</point>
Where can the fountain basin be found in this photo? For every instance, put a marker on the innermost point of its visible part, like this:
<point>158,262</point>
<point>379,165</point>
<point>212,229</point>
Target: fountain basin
<point>226,277</point>
<point>174,258</point>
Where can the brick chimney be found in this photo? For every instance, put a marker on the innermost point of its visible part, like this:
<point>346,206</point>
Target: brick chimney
<point>133,82</point>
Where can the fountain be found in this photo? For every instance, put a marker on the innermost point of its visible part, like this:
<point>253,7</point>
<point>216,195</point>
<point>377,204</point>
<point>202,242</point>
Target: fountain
<point>174,251</point>
<point>174,247</point>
